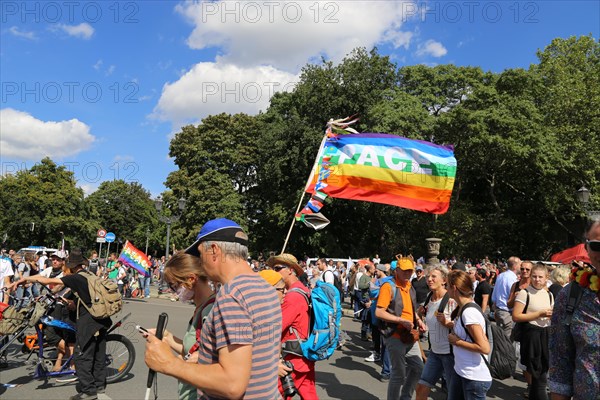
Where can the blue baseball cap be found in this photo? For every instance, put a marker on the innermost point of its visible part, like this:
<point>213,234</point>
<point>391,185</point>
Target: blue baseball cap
<point>220,230</point>
<point>393,265</point>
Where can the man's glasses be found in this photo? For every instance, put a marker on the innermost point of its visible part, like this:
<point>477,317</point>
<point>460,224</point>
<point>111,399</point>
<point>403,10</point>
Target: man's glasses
<point>525,269</point>
<point>594,245</point>
<point>278,268</point>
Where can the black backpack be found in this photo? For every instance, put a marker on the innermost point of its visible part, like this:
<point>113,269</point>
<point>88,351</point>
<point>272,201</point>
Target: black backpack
<point>503,359</point>
<point>336,282</point>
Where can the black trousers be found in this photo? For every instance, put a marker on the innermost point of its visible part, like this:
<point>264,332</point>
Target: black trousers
<point>90,364</point>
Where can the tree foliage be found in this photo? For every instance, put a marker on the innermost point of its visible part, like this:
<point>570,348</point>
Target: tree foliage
<point>525,141</point>
<point>36,205</point>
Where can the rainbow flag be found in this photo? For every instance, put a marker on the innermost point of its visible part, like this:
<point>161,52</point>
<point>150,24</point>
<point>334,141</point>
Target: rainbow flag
<point>135,258</point>
<point>386,169</point>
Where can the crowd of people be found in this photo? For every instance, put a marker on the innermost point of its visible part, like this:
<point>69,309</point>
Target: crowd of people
<point>242,339</point>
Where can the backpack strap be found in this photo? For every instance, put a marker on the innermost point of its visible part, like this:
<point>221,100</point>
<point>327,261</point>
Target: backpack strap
<point>79,301</point>
<point>326,271</point>
<point>302,292</point>
<point>427,299</point>
<point>474,305</point>
<point>305,295</point>
<point>573,300</point>
<point>199,318</point>
<point>443,303</point>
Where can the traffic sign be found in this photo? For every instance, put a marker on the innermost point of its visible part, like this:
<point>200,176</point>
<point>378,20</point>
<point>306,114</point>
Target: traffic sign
<point>100,240</point>
<point>110,237</point>
<point>101,233</point>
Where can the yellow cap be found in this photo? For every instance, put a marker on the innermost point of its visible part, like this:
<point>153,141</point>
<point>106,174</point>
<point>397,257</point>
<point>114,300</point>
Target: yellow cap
<point>270,276</point>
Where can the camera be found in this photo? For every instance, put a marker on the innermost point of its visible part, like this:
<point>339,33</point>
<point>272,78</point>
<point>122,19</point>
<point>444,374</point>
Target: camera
<point>287,383</point>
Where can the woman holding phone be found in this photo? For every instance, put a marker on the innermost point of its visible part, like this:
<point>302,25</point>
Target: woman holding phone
<point>186,277</point>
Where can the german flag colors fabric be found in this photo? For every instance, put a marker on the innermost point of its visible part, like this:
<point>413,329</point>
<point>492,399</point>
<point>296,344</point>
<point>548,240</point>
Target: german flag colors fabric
<point>387,169</point>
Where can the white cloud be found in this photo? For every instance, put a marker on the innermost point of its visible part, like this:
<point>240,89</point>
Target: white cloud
<point>122,158</point>
<point>431,48</point>
<point>286,34</point>
<point>110,70</point>
<point>88,188</point>
<point>83,30</point>
<point>25,137</point>
<point>98,65</point>
<point>23,34</point>
<point>212,88</point>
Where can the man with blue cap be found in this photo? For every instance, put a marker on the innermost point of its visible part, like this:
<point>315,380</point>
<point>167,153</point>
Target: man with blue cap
<point>238,355</point>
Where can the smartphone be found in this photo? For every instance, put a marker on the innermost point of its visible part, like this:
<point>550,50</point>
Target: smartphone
<point>141,329</point>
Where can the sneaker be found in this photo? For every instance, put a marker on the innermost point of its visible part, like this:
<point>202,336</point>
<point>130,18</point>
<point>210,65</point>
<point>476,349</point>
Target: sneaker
<point>84,396</point>
<point>374,357</point>
<point>384,378</point>
<point>67,379</point>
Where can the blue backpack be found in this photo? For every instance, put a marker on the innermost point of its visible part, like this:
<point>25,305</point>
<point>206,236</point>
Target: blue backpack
<point>325,313</point>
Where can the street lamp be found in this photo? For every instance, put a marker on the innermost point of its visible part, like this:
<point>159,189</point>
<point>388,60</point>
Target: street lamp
<point>169,219</point>
<point>583,195</point>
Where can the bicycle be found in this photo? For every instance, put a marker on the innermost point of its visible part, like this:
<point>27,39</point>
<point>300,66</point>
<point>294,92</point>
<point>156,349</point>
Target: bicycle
<point>120,353</point>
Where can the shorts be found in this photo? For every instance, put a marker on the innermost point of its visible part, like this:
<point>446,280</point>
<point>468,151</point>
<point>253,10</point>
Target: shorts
<point>437,365</point>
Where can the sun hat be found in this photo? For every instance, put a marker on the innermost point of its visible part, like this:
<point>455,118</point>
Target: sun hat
<point>287,260</point>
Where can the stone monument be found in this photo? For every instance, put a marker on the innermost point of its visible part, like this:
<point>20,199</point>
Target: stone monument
<point>433,250</point>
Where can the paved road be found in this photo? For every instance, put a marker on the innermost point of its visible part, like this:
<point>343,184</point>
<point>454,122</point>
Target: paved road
<point>344,376</point>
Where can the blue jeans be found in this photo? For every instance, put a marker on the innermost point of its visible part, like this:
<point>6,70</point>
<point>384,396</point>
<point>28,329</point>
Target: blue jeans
<point>147,282</point>
<point>407,366</point>
<point>436,366</point>
<point>23,296</point>
<point>358,299</point>
<point>463,388</point>
<point>386,365</point>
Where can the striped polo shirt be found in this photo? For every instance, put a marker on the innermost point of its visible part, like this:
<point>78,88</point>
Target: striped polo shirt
<point>246,311</point>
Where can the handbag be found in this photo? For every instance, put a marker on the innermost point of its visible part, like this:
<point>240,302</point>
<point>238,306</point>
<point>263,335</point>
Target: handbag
<point>409,336</point>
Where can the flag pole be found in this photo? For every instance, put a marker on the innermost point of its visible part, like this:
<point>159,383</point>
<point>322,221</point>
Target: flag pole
<point>312,173</point>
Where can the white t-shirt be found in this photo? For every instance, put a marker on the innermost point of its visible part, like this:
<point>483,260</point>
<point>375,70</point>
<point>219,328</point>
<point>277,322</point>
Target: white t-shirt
<point>42,263</point>
<point>5,270</point>
<point>438,334</point>
<point>328,276</point>
<point>122,274</point>
<point>48,271</point>
<point>469,364</point>
<point>358,275</point>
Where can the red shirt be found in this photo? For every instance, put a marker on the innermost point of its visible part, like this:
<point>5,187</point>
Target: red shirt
<point>294,314</point>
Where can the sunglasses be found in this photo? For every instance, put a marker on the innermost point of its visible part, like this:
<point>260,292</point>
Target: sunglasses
<point>280,289</point>
<point>525,269</point>
<point>278,268</point>
<point>174,286</point>
<point>593,245</point>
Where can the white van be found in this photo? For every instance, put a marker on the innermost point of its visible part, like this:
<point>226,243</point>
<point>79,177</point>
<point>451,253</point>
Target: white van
<point>36,249</point>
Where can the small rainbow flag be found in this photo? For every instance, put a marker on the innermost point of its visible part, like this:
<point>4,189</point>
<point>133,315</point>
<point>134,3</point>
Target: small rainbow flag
<point>135,258</point>
<point>386,169</point>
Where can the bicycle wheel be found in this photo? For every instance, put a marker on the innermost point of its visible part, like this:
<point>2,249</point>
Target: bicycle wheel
<point>120,356</point>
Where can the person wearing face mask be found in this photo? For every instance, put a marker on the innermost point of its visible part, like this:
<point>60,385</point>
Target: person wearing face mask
<point>186,277</point>
<point>533,308</point>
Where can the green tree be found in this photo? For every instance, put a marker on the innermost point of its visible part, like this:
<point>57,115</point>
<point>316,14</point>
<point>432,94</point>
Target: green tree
<point>125,208</point>
<point>47,196</point>
<point>217,169</point>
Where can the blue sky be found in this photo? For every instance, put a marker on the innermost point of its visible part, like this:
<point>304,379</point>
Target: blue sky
<point>101,87</point>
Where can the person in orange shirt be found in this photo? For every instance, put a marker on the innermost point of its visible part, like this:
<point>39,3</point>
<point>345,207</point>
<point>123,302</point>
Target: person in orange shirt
<point>396,306</point>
